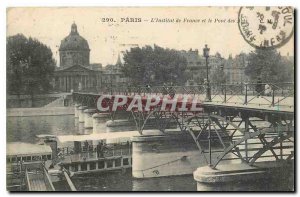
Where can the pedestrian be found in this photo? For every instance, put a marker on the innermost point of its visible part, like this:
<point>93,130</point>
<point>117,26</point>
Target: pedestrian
<point>86,145</point>
<point>148,88</point>
<point>129,90</point>
<point>102,148</point>
<point>99,148</point>
<point>259,87</point>
<point>171,91</point>
<point>268,90</point>
<point>51,166</point>
<point>165,90</point>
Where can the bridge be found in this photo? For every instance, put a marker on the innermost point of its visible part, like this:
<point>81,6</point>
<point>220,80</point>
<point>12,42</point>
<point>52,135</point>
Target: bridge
<point>244,122</point>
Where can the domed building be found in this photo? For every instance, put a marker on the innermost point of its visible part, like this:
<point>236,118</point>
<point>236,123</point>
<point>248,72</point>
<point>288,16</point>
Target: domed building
<point>74,49</point>
<point>75,73</point>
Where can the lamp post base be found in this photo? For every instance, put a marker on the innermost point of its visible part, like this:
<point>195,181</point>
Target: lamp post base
<point>208,95</point>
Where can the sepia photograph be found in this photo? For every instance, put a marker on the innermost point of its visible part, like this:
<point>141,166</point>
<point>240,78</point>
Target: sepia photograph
<point>131,99</point>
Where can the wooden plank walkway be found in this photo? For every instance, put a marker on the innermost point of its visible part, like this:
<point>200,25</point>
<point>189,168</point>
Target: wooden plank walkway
<point>37,182</point>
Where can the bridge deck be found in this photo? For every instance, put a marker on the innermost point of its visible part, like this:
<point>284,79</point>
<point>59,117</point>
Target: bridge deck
<point>254,107</point>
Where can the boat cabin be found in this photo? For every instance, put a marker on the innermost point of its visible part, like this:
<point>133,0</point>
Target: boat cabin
<point>26,152</point>
<point>96,152</point>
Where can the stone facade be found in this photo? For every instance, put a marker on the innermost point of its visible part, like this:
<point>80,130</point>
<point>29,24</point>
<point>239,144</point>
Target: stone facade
<point>113,76</point>
<point>77,78</point>
<point>196,67</point>
<point>75,72</point>
<point>233,68</point>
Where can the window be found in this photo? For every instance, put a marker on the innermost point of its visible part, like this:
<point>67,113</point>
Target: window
<point>49,157</point>
<point>75,167</point>
<point>118,162</point>
<point>13,159</point>
<point>34,158</point>
<point>100,164</point>
<point>125,162</point>
<point>83,167</point>
<point>92,166</point>
<point>109,163</point>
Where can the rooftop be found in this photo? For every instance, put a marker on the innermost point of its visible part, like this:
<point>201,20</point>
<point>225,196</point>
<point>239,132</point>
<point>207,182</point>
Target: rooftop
<point>118,136</point>
<point>20,148</point>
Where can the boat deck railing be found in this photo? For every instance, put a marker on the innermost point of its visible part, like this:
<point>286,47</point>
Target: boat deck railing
<point>69,154</point>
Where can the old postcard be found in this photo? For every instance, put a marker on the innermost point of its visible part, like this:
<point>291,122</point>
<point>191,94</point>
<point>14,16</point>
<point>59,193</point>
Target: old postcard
<point>150,99</point>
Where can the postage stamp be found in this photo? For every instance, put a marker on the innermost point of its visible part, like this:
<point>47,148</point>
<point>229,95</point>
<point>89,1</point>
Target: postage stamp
<point>266,27</point>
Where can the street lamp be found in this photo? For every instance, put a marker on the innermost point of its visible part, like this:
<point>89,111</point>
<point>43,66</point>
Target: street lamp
<point>206,55</point>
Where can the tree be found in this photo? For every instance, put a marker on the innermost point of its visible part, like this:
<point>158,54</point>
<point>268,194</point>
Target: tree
<point>218,76</point>
<point>269,66</point>
<point>30,66</point>
<point>154,66</point>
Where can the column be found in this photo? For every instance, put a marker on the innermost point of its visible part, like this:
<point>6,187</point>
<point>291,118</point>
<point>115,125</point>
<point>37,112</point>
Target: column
<point>71,83</point>
<point>65,84</point>
<point>60,84</point>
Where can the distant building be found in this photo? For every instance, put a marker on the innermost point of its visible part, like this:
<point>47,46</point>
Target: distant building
<point>75,71</point>
<point>196,66</point>
<point>113,76</point>
<point>234,69</point>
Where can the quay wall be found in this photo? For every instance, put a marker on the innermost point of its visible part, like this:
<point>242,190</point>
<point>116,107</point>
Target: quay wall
<point>42,111</point>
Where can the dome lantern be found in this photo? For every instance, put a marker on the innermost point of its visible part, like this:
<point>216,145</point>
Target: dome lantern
<point>74,29</point>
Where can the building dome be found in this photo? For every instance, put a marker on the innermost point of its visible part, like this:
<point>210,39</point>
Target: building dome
<point>74,41</point>
<point>74,50</point>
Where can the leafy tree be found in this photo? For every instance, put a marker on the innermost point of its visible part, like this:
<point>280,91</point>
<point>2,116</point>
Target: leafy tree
<point>268,65</point>
<point>154,66</point>
<point>218,76</point>
<point>30,66</point>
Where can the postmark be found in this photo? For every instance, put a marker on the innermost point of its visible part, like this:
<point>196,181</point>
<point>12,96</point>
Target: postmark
<point>266,27</point>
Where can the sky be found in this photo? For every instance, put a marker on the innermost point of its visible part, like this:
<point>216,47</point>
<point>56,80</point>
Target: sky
<point>108,39</point>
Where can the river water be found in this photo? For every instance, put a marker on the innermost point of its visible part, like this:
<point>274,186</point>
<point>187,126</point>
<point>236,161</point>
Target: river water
<point>25,129</point>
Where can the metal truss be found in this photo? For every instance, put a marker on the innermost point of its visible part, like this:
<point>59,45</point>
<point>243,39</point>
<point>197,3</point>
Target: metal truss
<point>221,132</point>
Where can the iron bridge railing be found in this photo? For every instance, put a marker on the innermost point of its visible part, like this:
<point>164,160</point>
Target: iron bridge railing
<point>270,94</point>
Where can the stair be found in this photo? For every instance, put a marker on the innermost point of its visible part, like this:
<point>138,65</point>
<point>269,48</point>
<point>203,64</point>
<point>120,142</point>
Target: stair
<point>37,182</point>
<point>59,102</point>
